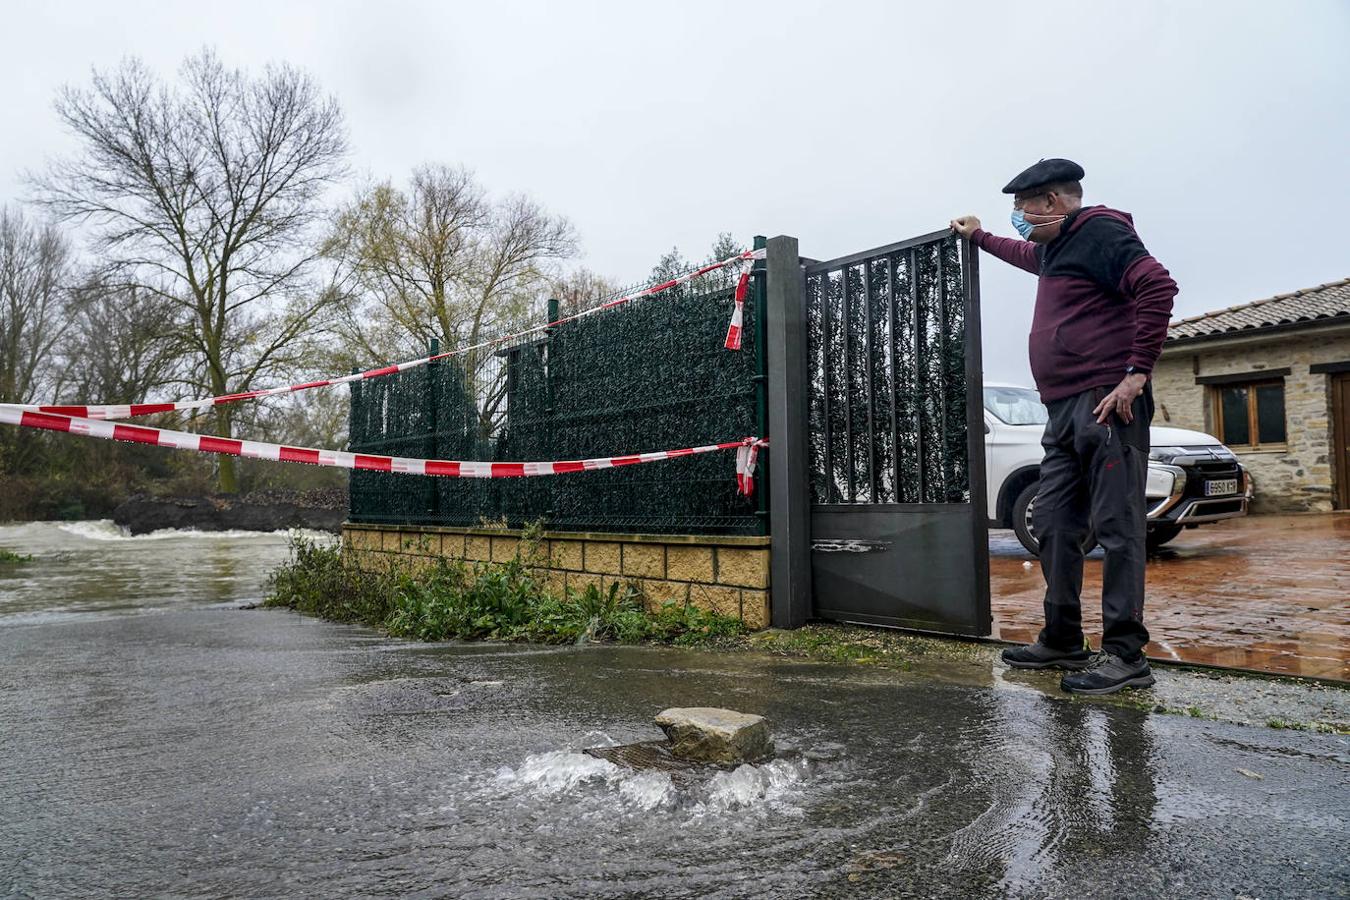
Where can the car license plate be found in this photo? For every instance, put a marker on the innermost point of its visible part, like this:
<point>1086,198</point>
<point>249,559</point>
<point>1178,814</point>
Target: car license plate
<point>1223,486</point>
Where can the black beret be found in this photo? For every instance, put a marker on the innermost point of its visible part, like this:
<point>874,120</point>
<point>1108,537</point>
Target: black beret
<point>1047,171</point>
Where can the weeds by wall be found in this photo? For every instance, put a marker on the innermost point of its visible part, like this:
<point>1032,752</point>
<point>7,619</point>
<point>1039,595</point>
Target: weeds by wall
<point>448,599</point>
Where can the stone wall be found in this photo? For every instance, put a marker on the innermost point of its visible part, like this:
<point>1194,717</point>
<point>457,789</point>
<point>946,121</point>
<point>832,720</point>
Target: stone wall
<point>729,575</point>
<point>1298,477</point>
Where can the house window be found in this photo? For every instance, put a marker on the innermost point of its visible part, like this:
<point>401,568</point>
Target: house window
<point>1250,414</point>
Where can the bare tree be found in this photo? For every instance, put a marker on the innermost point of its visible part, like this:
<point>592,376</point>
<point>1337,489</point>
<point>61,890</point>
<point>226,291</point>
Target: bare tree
<point>35,268</point>
<point>203,193</point>
<point>580,288</point>
<point>121,347</point>
<point>316,419</point>
<point>441,260</point>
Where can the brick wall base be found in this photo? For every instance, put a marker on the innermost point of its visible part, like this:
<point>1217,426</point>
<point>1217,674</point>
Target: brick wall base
<point>729,575</point>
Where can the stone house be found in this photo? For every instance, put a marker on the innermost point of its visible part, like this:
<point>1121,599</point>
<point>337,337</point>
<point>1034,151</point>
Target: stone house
<point>1271,379</point>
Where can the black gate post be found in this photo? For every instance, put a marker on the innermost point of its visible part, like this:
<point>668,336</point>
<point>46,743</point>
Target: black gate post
<point>789,500</point>
<point>978,477</point>
<point>761,382</point>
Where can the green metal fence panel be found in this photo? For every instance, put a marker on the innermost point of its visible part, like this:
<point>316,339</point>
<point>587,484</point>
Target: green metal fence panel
<point>649,375</point>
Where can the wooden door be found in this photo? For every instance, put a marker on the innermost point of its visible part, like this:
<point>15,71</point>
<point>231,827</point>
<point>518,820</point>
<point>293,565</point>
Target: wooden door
<point>1340,437</point>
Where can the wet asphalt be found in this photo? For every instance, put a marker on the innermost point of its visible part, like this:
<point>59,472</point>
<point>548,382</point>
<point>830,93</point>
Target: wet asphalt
<point>195,749</point>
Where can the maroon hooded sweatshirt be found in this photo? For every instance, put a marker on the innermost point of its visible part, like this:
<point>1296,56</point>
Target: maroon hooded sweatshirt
<point>1102,303</point>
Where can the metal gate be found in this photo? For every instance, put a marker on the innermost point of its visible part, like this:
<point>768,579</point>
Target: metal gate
<point>897,523</point>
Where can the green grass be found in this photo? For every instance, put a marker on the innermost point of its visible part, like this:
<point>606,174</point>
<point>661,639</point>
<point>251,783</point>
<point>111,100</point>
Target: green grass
<point>1317,727</point>
<point>444,600</point>
<point>866,646</point>
<point>10,558</point>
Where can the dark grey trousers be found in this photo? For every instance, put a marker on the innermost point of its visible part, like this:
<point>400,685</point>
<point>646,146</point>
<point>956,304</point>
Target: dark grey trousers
<point>1094,473</point>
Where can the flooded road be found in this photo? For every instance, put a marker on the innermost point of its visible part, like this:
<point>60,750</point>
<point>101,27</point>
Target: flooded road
<point>94,568</point>
<point>156,740</point>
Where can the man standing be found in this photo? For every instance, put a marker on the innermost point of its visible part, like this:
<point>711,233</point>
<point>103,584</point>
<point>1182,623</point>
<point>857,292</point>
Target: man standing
<point>1102,308</point>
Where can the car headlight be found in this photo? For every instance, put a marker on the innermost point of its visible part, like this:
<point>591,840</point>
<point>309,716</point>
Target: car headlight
<point>1161,482</point>
<point>1165,454</point>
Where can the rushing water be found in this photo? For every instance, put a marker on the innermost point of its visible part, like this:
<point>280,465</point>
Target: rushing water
<point>97,568</point>
<point>157,740</point>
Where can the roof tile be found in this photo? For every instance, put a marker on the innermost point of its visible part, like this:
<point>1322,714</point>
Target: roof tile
<point>1326,301</point>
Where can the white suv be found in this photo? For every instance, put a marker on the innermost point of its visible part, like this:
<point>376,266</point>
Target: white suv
<point>1192,477</point>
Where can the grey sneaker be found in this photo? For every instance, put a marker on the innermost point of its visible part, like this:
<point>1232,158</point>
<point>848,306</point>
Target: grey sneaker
<point>1039,656</point>
<point>1108,673</point>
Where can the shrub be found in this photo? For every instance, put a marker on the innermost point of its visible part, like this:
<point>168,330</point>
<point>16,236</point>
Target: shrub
<point>444,600</point>
<point>316,580</point>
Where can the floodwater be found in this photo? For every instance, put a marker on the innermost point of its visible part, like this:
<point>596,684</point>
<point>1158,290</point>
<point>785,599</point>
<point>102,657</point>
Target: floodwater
<point>157,740</point>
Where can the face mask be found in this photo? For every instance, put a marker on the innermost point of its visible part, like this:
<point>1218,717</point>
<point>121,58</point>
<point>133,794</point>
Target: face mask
<point>1025,228</point>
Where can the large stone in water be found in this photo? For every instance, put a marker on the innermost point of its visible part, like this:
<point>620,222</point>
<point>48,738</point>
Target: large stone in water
<point>714,735</point>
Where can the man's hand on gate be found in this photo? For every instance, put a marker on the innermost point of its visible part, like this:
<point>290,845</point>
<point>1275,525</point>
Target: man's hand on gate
<point>1121,400</point>
<point>965,226</point>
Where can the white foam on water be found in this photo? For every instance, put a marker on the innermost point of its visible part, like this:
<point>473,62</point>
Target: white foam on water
<point>99,530</point>
<point>775,784</point>
<point>647,790</point>
<point>107,530</point>
<point>560,771</point>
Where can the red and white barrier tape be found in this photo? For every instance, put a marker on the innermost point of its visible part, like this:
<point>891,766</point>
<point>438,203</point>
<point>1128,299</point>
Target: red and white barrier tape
<point>733,341</point>
<point>11,414</point>
<point>132,410</point>
<point>747,457</point>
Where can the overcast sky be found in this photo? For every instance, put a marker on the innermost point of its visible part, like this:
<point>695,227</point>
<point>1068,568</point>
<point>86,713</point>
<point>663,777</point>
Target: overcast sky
<point>1224,127</point>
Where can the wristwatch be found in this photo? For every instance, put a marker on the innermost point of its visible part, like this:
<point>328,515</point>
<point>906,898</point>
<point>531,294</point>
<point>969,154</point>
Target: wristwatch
<point>1130,370</point>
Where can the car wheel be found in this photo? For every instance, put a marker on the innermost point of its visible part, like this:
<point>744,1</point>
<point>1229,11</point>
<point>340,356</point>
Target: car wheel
<point>1161,534</point>
<point>1021,519</point>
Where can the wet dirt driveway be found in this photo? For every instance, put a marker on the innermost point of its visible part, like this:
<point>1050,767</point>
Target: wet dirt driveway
<point>1270,593</point>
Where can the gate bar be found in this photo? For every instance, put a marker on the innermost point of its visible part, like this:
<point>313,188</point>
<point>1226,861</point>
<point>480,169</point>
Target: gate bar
<point>897,482</point>
<point>789,497</point>
<point>920,383</point>
<point>976,475</point>
<point>826,376</point>
<point>871,397</point>
<point>848,386</point>
<point>943,322</point>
